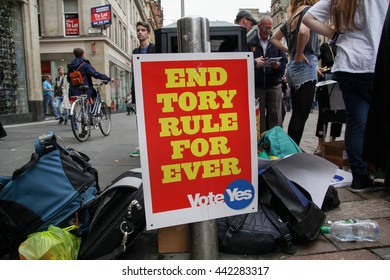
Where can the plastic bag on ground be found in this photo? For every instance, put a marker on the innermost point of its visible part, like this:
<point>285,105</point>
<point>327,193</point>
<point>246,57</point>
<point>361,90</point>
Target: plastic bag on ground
<point>54,244</point>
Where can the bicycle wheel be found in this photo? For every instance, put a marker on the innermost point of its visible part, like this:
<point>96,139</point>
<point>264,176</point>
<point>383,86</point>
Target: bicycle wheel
<point>80,120</point>
<point>104,115</point>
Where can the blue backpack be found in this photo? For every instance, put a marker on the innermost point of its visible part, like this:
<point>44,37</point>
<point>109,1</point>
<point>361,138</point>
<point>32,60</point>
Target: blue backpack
<point>56,187</point>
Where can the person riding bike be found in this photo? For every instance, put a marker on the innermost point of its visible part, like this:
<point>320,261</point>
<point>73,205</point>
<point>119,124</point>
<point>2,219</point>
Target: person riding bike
<point>87,71</point>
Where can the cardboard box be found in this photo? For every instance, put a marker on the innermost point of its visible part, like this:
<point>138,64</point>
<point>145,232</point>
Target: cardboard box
<point>335,152</point>
<point>338,160</point>
<point>174,239</point>
<point>334,147</point>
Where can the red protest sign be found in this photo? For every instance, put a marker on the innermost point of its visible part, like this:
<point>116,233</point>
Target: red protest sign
<point>198,133</point>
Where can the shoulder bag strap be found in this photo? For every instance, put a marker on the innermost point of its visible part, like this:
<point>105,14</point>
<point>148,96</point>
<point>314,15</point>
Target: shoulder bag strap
<point>331,51</point>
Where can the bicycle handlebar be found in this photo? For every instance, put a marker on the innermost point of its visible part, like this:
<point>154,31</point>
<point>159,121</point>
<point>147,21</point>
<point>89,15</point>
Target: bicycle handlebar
<point>103,82</point>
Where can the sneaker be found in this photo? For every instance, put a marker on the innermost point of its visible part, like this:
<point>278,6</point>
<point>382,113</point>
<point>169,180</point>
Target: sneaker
<point>46,119</point>
<point>61,120</point>
<point>66,122</point>
<point>135,153</point>
<point>362,182</point>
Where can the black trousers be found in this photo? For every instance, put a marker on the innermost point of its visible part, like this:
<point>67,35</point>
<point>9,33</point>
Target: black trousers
<point>302,100</point>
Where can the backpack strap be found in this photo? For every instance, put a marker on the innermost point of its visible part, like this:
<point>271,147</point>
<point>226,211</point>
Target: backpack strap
<point>287,245</point>
<point>80,66</point>
<point>34,158</point>
<point>234,226</point>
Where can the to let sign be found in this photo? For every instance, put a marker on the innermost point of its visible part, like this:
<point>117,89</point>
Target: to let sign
<point>197,130</point>
<point>72,24</point>
<point>101,15</point>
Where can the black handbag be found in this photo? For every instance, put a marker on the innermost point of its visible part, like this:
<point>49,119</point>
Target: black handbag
<point>254,233</point>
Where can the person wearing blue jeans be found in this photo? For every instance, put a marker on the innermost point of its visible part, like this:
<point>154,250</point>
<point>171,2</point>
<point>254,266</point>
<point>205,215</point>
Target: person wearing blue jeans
<point>356,89</point>
<point>357,40</point>
<point>47,91</point>
<point>60,86</point>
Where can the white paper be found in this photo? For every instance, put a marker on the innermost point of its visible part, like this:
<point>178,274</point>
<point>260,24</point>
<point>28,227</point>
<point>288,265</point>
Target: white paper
<point>325,83</point>
<point>271,60</point>
<point>311,172</point>
<point>341,179</point>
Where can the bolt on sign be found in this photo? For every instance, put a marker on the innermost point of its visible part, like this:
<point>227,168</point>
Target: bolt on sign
<point>197,133</point>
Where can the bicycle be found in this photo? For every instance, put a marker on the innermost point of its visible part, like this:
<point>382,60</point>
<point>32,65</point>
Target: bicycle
<point>84,114</point>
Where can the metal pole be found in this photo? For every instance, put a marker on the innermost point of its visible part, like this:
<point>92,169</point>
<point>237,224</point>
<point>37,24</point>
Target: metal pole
<point>193,36</point>
<point>182,8</point>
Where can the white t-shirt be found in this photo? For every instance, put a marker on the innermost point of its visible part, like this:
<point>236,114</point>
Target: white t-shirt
<point>357,49</point>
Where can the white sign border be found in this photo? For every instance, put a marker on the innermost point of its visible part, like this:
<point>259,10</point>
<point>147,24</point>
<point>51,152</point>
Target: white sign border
<point>202,213</point>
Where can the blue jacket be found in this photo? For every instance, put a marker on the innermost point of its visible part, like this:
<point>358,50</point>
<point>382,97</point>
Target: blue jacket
<point>87,71</point>
<point>266,76</point>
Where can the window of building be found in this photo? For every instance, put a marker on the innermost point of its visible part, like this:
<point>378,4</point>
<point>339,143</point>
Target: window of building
<point>71,15</point>
<point>39,19</point>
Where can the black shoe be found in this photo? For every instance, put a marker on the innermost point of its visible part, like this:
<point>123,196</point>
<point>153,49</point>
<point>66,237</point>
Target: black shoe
<point>379,178</point>
<point>362,182</point>
<point>61,120</point>
<point>66,122</point>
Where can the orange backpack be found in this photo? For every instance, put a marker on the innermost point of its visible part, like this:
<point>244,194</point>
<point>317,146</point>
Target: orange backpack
<point>76,79</point>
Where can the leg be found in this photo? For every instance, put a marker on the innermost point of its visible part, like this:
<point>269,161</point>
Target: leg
<point>335,130</point>
<point>59,103</point>
<point>54,110</point>
<point>356,90</point>
<point>274,106</point>
<point>46,102</point>
<point>302,100</point>
<point>262,98</point>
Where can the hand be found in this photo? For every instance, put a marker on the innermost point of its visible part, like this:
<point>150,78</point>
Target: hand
<point>275,65</point>
<point>260,61</point>
<point>319,73</point>
<point>301,57</point>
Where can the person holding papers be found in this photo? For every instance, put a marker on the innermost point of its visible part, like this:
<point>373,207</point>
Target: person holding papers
<point>270,63</point>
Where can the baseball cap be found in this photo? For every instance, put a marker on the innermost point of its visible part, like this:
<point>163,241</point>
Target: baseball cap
<point>246,14</point>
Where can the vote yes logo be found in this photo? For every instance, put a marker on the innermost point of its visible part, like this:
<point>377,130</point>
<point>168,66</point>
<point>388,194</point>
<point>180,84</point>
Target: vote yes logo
<point>238,195</point>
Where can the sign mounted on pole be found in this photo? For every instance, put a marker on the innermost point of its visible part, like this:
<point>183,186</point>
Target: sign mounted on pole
<point>101,16</point>
<point>197,131</point>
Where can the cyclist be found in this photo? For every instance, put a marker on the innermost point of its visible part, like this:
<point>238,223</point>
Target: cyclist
<point>87,71</point>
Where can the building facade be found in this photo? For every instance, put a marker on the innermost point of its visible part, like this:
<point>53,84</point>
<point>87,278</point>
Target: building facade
<point>66,24</point>
<point>38,36</point>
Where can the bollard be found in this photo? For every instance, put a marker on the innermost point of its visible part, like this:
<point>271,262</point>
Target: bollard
<point>193,37</point>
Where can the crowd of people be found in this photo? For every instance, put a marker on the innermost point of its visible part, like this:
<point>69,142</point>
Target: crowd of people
<point>287,74</point>
<point>349,58</point>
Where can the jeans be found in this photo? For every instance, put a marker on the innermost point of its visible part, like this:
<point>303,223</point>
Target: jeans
<point>59,103</point>
<point>298,73</point>
<point>356,89</point>
<point>48,101</point>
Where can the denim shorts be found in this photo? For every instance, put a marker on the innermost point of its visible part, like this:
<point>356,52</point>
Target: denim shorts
<point>298,73</point>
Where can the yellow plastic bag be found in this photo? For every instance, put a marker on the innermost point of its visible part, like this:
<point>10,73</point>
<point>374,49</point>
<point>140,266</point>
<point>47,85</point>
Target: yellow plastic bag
<point>54,244</point>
